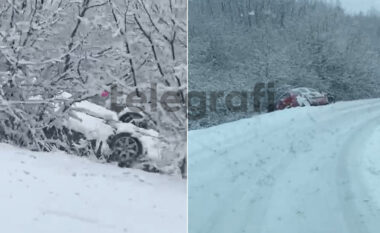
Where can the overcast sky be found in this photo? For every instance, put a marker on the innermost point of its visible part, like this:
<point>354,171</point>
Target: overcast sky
<point>355,6</point>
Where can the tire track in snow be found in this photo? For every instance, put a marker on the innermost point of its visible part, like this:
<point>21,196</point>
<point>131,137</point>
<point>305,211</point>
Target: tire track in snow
<point>359,217</point>
<point>255,212</point>
<point>244,135</point>
<point>321,207</point>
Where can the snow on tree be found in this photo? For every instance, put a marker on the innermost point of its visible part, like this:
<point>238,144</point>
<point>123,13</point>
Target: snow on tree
<point>235,44</point>
<point>83,48</point>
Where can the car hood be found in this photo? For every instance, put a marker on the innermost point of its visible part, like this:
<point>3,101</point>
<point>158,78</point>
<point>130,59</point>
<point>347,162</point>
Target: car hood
<point>95,110</point>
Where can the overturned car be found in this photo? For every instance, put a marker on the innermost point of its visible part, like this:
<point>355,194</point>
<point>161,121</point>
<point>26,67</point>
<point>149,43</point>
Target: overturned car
<point>131,138</point>
<point>112,139</point>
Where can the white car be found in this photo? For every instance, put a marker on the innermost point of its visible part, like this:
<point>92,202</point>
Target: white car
<point>111,138</point>
<point>130,138</point>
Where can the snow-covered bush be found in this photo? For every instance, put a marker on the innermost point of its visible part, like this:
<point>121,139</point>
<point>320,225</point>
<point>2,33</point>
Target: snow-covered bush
<point>83,48</point>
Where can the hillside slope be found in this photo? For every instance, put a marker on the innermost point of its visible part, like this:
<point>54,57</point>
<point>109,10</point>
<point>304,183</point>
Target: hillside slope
<point>312,169</point>
<point>56,192</point>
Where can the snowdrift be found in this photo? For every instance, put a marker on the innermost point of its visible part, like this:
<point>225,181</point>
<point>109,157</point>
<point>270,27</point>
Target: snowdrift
<point>311,169</point>
<point>57,192</point>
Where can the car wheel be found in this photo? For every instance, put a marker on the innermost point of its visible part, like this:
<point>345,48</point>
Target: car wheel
<point>125,149</point>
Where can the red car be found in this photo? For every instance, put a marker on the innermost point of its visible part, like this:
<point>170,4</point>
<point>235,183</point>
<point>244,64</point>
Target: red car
<point>302,97</point>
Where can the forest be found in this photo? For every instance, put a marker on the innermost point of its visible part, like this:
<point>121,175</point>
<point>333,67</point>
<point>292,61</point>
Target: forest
<point>295,43</point>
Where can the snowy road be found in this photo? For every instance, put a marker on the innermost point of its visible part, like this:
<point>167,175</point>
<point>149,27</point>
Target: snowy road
<point>60,193</point>
<point>312,169</point>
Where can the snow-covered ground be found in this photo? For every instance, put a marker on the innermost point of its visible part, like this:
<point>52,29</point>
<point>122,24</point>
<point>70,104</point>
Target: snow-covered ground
<point>311,169</point>
<point>60,193</point>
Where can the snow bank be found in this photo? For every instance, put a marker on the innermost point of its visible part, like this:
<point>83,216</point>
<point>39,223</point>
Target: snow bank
<point>291,171</point>
<point>56,192</point>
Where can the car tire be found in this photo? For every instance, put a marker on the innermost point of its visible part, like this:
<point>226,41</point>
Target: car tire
<point>125,149</point>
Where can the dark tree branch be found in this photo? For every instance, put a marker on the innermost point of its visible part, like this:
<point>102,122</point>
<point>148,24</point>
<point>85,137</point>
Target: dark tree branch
<point>149,38</point>
<point>126,43</point>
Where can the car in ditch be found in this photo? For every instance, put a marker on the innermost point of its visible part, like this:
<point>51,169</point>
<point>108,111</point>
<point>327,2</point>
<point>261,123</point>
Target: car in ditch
<point>128,142</point>
<point>130,138</point>
<point>303,96</point>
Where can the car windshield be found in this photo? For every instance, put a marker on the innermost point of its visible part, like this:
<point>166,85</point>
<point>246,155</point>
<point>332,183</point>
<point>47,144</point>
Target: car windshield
<point>136,115</point>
